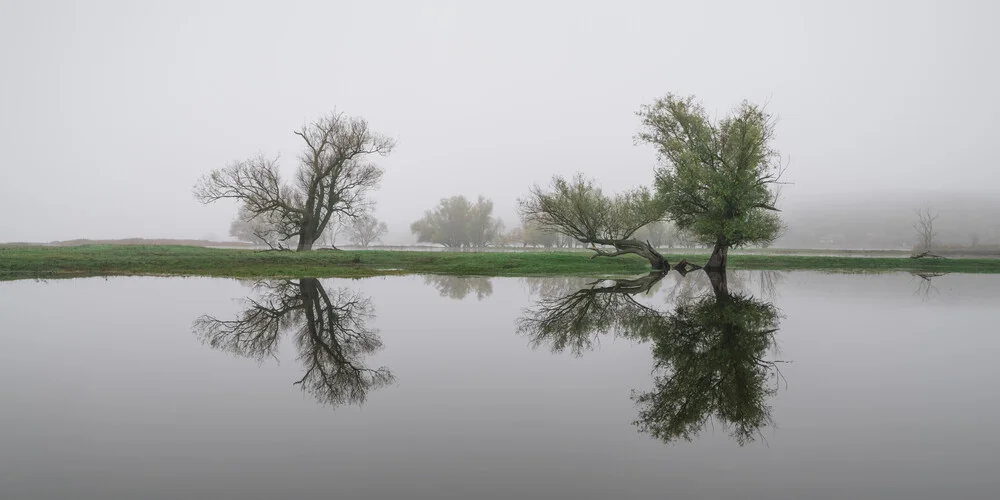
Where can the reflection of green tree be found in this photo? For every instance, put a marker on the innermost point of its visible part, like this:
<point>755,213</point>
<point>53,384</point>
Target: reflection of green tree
<point>710,354</point>
<point>709,351</point>
<point>457,287</point>
<point>330,332</point>
<point>574,321</point>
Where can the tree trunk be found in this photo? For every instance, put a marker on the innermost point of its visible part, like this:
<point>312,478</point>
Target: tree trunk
<point>720,255</point>
<point>305,243</point>
<point>720,285</point>
<point>632,246</point>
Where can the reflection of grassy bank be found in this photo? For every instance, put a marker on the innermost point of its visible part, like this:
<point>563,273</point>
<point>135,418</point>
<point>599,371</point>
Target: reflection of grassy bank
<point>113,260</point>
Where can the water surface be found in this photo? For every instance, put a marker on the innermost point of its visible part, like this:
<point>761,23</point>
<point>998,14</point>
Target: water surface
<point>788,385</point>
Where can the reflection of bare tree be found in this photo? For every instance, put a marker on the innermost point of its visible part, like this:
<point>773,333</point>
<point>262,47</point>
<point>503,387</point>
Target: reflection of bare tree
<point>330,331</point>
<point>552,286</point>
<point>457,287</point>
<point>925,284</point>
<point>709,350</point>
<point>686,288</point>
<point>767,282</point>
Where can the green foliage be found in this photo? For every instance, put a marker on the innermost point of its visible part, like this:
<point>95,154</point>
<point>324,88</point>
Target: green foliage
<point>457,223</point>
<point>571,321</point>
<point>579,209</point>
<point>711,353</point>
<point>533,235</point>
<point>716,180</point>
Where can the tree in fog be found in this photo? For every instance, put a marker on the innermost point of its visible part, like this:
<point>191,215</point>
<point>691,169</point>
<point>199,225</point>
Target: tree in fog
<point>256,230</point>
<point>483,228</point>
<point>334,176</point>
<point>457,223</point>
<point>334,228</point>
<point>717,179</point>
<point>579,209</point>
<point>925,229</point>
<point>366,229</point>
<point>537,237</point>
<point>513,237</point>
<point>657,233</point>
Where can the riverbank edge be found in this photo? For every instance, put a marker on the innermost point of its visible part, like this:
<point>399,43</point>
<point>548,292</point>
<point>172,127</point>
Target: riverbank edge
<point>156,260</point>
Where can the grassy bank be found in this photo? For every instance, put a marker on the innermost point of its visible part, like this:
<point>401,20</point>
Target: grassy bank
<point>117,260</point>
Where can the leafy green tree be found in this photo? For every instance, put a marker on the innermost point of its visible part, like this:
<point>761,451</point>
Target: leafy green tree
<point>579,209</point>
<point>717,180</point>
<point>457,223</point>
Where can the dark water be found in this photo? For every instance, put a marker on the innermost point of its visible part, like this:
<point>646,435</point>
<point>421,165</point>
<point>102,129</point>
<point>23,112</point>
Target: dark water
<point>766,385</point>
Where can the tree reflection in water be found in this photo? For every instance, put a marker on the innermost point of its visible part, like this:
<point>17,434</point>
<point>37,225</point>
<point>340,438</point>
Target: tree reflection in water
<point>330,332</point>
<point>458,287</point>
<point>709,350</point>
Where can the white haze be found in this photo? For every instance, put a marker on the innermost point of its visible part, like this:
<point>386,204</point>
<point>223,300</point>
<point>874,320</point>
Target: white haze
<point>110,111</point>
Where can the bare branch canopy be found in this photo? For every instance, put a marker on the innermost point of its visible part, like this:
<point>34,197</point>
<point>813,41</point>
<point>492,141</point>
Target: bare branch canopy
<point>334,176</point>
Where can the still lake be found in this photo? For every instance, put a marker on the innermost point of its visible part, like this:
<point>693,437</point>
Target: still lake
<point>763,385</point>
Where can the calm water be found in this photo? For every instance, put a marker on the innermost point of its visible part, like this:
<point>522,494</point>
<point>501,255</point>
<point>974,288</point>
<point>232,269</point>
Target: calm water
<point>766,385</point>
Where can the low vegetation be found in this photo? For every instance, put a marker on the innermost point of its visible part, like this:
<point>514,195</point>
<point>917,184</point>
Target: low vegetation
<point>121,260</point>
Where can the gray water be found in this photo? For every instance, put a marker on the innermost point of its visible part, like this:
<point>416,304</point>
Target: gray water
<point>858,387</point>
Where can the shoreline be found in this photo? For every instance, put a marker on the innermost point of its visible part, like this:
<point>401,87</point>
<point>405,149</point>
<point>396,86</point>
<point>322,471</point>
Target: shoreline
<point>124,260</point>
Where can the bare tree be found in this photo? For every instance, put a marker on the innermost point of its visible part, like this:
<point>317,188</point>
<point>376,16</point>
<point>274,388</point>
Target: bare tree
<point>333,229</point>
<point>974,239</point>
<point>334,177</point>
<point>925,230</point>
<point>658,232</point>
<point>260,230</point>
<point>366,229</point>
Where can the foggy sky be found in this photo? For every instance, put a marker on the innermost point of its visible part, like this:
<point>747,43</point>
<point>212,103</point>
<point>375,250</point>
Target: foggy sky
<point>111,111</point>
